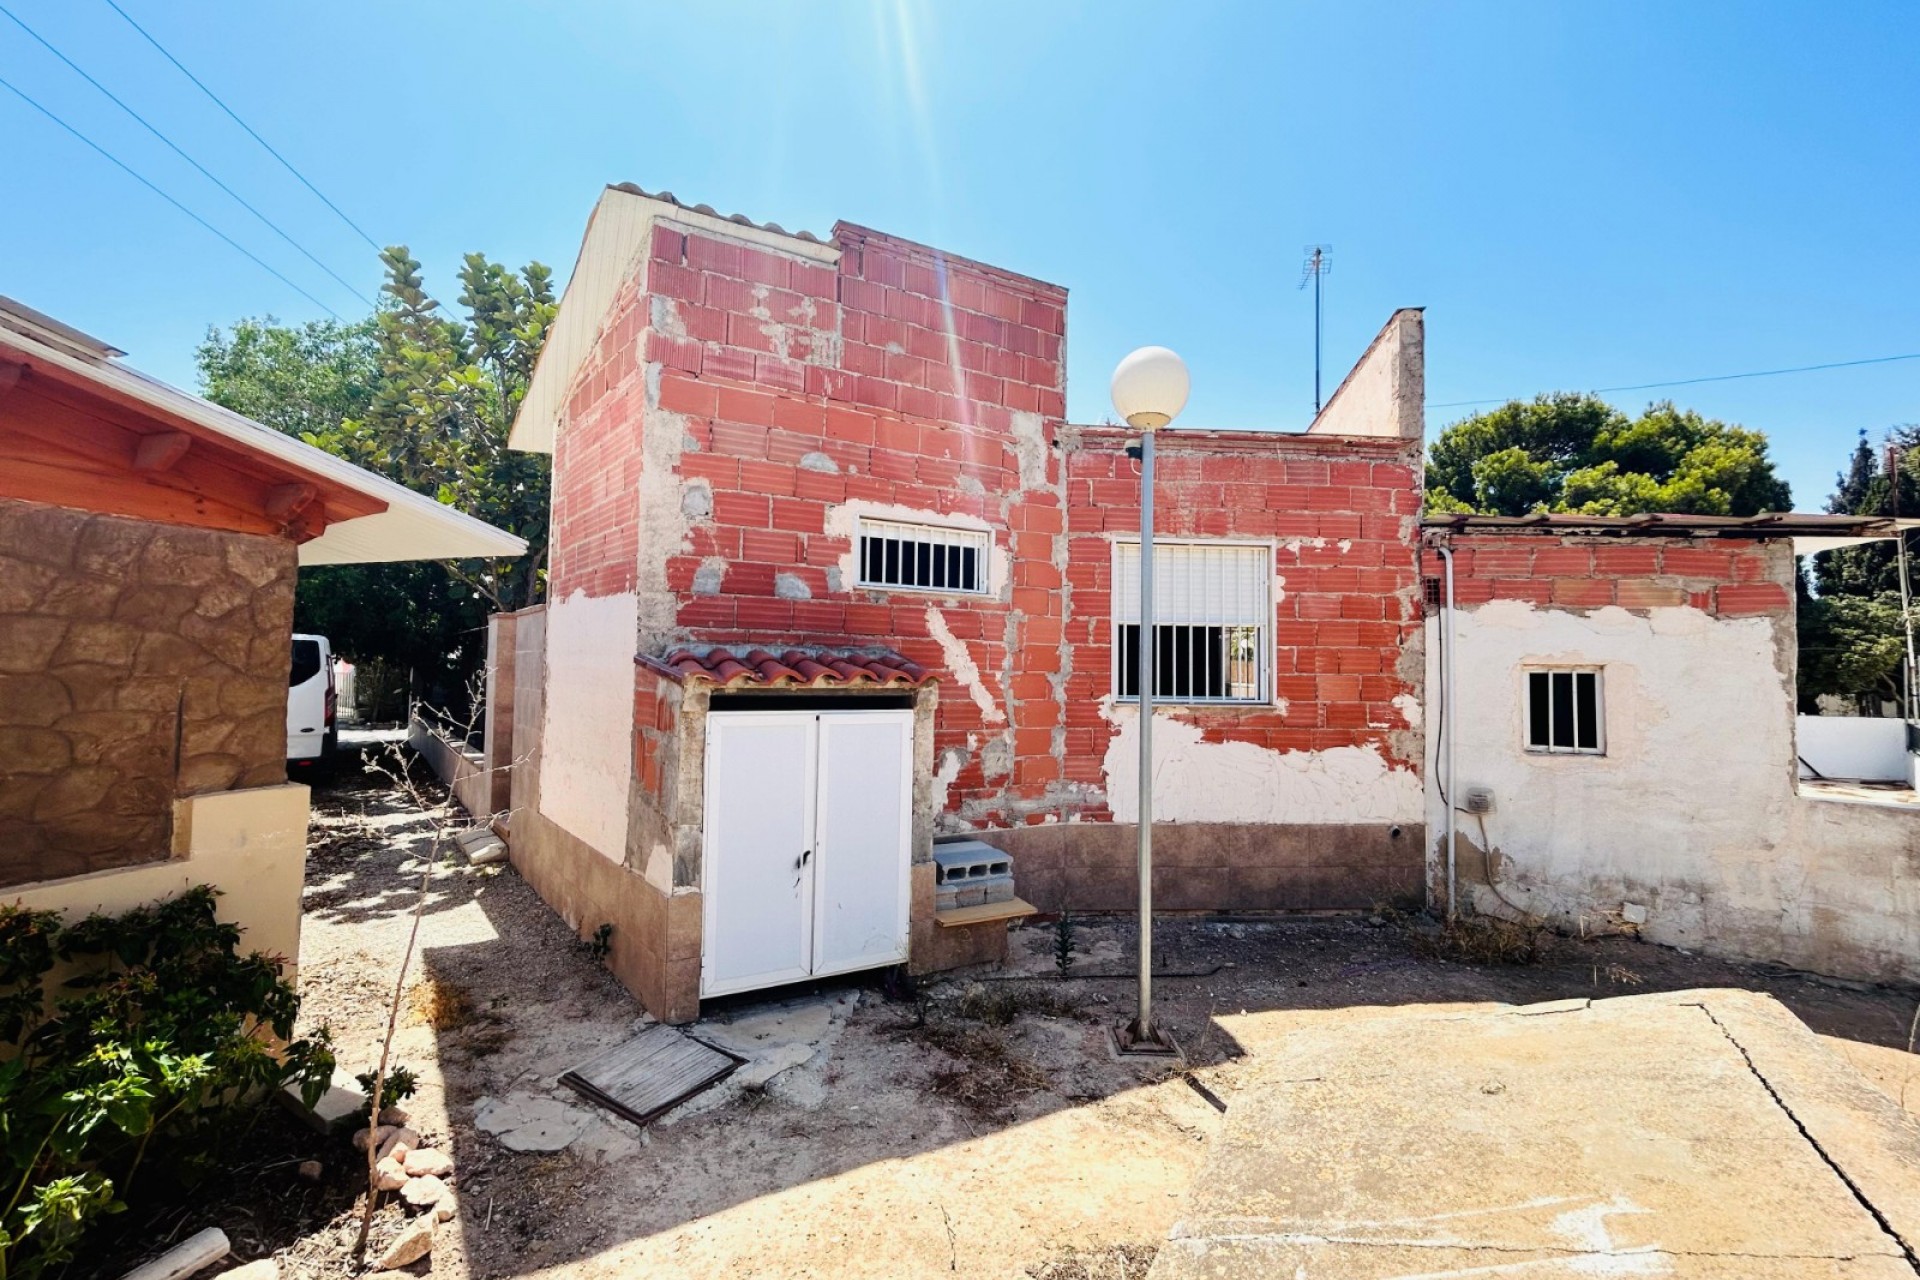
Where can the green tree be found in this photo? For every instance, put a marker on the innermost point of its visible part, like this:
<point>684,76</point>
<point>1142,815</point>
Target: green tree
<point>1850,647</point>
<point>426,400</point>
<point>1852,638</point>
<point>444,400</point>
<point>1573,452</point>
<point>301,381</point>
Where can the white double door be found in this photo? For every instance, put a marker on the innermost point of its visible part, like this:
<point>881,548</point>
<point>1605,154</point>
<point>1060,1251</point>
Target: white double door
<point>805,864</point>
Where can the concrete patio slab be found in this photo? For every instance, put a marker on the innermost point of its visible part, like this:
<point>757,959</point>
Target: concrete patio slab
<point>1693,1134</point>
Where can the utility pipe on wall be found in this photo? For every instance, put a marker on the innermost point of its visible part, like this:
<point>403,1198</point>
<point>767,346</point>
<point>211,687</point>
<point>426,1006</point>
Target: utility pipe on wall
<point>1448,728</point>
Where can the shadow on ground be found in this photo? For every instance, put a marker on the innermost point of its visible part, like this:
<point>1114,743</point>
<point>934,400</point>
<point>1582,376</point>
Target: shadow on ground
<point>980,1127</point>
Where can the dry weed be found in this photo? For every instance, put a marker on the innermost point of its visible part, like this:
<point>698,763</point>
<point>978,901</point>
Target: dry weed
<point>1109,1262</point>
<point>989,1075</point>
<point>1479,940</point>
<point>1000,1003</point>
<point>442,1005</point>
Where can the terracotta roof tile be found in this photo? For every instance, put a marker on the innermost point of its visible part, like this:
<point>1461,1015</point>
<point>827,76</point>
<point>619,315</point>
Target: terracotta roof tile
<point>795,668</point>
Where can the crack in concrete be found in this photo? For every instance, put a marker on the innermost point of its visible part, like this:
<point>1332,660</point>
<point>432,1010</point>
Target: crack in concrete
<point>1860,1197</point>
<point>953,1246</point>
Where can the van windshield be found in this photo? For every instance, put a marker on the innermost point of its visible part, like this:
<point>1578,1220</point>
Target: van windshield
<point>306,662</point>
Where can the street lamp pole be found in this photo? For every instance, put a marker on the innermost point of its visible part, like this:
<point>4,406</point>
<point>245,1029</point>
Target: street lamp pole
<point>1143,1023</point>
<point>1149,390</point>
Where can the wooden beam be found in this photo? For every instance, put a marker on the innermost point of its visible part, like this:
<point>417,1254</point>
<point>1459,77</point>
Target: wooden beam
<point>212,454</point>
<point>50,430</point>
<point>158,452</point>
<point>308,524</point>
<point>288,500</point>
<point>35,471</point>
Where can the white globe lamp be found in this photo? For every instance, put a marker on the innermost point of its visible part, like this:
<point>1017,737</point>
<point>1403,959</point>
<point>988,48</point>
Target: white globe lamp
<point>1150,388</point>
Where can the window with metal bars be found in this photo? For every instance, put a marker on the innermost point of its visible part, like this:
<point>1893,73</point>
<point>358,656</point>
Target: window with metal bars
<point>1212,615</point>
<point>1565,711</point>
<point>898,556</point>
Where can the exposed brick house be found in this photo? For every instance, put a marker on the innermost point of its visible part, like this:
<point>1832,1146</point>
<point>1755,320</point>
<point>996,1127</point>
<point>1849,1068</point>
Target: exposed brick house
<point>774,454</point>
<point>149,542</point>
<point>832,576</point>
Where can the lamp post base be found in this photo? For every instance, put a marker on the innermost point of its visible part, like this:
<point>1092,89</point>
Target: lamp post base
<point>1129,1043</point>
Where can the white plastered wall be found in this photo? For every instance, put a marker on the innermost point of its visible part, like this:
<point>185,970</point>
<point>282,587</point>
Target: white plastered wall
<point>587,736</point>
<point>250,845</point>
<point>1200,781</point>
<point>1692,814</point>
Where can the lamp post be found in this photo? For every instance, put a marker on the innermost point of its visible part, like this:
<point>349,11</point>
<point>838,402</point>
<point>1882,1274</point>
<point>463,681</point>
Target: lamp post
<point>1149,390</point>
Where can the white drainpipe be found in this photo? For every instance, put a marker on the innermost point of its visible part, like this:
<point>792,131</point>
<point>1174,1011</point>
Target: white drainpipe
<point>1449,717</point>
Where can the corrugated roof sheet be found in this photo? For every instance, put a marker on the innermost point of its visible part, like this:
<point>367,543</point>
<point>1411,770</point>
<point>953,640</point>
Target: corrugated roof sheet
<point>733,667</point>
<point>1784,524</point>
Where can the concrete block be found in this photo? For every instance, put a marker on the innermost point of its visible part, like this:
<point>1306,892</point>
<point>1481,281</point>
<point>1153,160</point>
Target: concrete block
<point>485,852</point>
<point>969,860</point>
<point>339,1107</point>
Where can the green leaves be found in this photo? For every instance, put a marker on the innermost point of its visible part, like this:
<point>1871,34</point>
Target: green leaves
<point>126,1035</point>
<point>1576,453</point>
<point>425,398</point>
<point>443,404</point>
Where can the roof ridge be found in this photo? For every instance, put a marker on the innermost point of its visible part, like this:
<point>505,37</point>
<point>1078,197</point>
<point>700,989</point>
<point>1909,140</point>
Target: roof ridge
<point>667,197</point>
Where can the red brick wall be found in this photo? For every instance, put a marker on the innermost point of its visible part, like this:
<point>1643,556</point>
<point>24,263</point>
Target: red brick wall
<point>1341,513</point>
<point>894,380</point>
<point>597,462</point>
<point>1722,576</point>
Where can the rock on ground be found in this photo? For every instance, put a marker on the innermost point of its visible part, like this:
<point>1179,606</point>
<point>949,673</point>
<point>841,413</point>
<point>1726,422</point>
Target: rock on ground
<point>399,1143</point>
<point>380,1135</point>
<point>411,1245</point>
<point>423,1193</point>
<point>428,1162</point>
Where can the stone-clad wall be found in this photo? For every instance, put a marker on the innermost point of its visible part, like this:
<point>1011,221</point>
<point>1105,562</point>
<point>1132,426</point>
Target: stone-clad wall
<point>138,662</point>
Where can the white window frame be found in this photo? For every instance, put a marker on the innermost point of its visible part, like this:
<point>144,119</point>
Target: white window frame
<point>980,541</point>
<point>1599,747</point>
<point>1264,644</point>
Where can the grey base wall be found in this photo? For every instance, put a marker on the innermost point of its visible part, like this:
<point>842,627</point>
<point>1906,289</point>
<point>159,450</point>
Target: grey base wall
<point>1091,866</point>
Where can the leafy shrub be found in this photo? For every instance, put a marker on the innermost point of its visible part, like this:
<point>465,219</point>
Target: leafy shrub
<point>399,1085</point>
<point>132,1061</point>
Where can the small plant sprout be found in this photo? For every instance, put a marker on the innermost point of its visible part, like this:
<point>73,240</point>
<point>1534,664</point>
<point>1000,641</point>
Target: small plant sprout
<point>1063,941</point>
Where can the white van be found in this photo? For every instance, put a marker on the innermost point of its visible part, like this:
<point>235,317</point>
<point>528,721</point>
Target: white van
<point>311,703</point>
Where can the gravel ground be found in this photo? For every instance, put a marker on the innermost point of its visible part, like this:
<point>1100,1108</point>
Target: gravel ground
<point>978,1128</point>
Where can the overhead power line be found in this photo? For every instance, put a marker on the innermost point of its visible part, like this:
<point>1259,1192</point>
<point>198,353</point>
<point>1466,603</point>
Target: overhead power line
<point>234,116</point>
<point>143,181</point>
<point>1689,382</point>
<point>179,151</point>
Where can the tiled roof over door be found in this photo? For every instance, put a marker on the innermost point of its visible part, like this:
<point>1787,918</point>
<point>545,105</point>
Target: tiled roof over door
<point>735,668</point>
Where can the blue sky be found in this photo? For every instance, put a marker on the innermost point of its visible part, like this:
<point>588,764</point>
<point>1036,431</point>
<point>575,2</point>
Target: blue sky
<point>1581,195</point>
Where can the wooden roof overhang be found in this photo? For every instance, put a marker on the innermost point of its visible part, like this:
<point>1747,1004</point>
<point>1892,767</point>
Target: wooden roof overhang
<point>74,442</point>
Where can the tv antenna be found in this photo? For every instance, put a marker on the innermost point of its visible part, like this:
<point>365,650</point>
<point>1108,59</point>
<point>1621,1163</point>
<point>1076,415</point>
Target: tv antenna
<point>1319,262</point>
